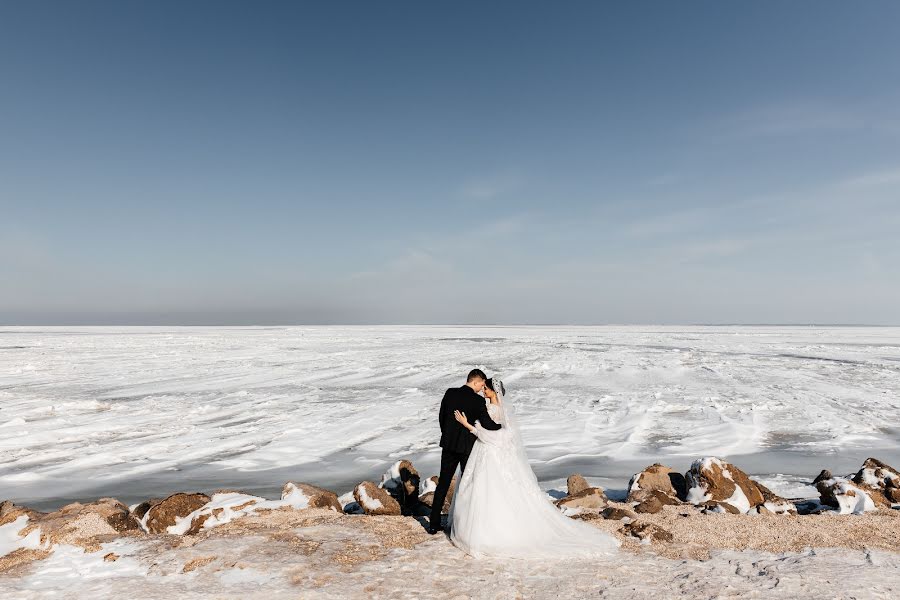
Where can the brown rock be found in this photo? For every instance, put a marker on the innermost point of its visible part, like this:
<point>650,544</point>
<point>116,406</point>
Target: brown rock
<point>718,480</point>
<point>656,477</point>
<point>111,557</point>
<point>162,515</point>
<point>375,500</point>
<point>591,498</point>
<point>9,512</point>
<point>613,513</point>
<point>576,483</point>
<point>762,510</point>
<point>82,524</point>
<point>196,563</point>
<point>892,494</point>
<point>649,531</point>
<point>824,475</point>
<point>653,502</point>
<point>712,506</point>
<point>19,560</point>
<point>316,496</point>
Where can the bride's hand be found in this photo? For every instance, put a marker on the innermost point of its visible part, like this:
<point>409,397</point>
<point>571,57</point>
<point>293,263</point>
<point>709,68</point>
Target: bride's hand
<point>461,417</point>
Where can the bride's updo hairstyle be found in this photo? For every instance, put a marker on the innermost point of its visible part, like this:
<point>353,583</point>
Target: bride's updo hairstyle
<point>490,384</point>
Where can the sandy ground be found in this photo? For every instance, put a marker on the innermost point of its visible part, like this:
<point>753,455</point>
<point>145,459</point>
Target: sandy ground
<point>321,554</point>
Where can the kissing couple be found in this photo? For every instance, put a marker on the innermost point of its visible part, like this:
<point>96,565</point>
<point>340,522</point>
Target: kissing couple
<point>498,508</point>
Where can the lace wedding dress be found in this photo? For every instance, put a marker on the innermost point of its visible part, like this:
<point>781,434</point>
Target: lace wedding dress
<point>499,509</point>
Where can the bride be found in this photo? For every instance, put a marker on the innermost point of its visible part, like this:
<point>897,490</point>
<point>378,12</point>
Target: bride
<point>498,508</point>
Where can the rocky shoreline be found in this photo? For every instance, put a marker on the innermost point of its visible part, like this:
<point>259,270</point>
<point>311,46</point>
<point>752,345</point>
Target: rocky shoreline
<point>713,507</point>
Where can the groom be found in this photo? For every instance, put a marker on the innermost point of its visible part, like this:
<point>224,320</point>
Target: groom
<point>456,440</point>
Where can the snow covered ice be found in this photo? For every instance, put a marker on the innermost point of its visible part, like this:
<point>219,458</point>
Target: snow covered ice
<point>140,412</point>
<point>136,412</point>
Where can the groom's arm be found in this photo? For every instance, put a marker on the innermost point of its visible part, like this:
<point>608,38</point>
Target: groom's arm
<point>486,421</point>
<point>442,414</point>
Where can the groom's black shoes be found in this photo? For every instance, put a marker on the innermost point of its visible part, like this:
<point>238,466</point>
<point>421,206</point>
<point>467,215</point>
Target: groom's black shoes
<point>433,530</point>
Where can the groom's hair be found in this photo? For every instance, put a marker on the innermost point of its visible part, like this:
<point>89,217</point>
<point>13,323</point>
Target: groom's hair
<point>476,374</point>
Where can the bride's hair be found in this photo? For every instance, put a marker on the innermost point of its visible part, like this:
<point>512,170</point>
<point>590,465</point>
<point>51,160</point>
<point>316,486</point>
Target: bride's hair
<point>490,384</point>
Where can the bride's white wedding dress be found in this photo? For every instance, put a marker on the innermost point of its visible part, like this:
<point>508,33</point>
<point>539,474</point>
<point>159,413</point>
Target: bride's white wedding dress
<point>499,509</point>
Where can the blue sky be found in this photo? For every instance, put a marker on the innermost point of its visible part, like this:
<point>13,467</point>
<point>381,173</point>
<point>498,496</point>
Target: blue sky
<point>409,162</point>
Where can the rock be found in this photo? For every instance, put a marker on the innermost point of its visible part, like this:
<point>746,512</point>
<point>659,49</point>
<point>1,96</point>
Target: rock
<point>81,524</point>
<point>762,510</point>
<point>656,477</point>
<point>648,532</point>
<point>712,506</point>
<point>428,485</point>
<point>822,476</point>
<point>653,501</point>
<point>402,482</point>
<point>576,483</point>
<point>774,503</point>
<point>111,557</point>
<point>141,509</point>
<point>846,497</point>
<point>374,500</point>
<point>9,512</point>
<point>590,499</point>
<point>877,478</point>
<point>613,513</point>
<point>162,515</point>
<point>304,495</point>
<point>428,497</point>
<point>713,479</point>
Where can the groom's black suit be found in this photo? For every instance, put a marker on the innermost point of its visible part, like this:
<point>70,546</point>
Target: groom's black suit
<point>456,440</point>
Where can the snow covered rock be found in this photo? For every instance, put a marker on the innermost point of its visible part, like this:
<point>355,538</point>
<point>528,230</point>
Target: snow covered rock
<point>880,481</point>
<point>592,499</point>
<point>846,497</point>
<point>80,524</point>
<point>402,483</point>
<point>656,477</point>
<point>822,476</point>
<point>773,503</point>
<point>714,479</point>
<point>304,495</point>
<point>374,500</point>
<point>162,515</point>
<point>576,483</point>
<point>427,497</point>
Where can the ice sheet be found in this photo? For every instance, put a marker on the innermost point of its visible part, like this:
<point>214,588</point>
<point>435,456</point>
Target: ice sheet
<point>138,412</point>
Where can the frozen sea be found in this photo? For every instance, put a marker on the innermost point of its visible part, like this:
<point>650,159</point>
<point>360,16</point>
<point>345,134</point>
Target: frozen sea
<point>138,412</point>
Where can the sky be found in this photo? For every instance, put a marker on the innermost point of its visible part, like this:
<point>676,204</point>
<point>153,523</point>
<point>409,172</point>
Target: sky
<point>450,163</point>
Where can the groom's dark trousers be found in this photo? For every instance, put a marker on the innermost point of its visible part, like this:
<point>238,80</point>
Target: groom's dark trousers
<point>456,440</point>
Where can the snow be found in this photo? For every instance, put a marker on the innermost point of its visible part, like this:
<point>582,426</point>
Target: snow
<point>294,497</point>
<point>10,540</point>
<point>133,411</point>
<point>426,485</point>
